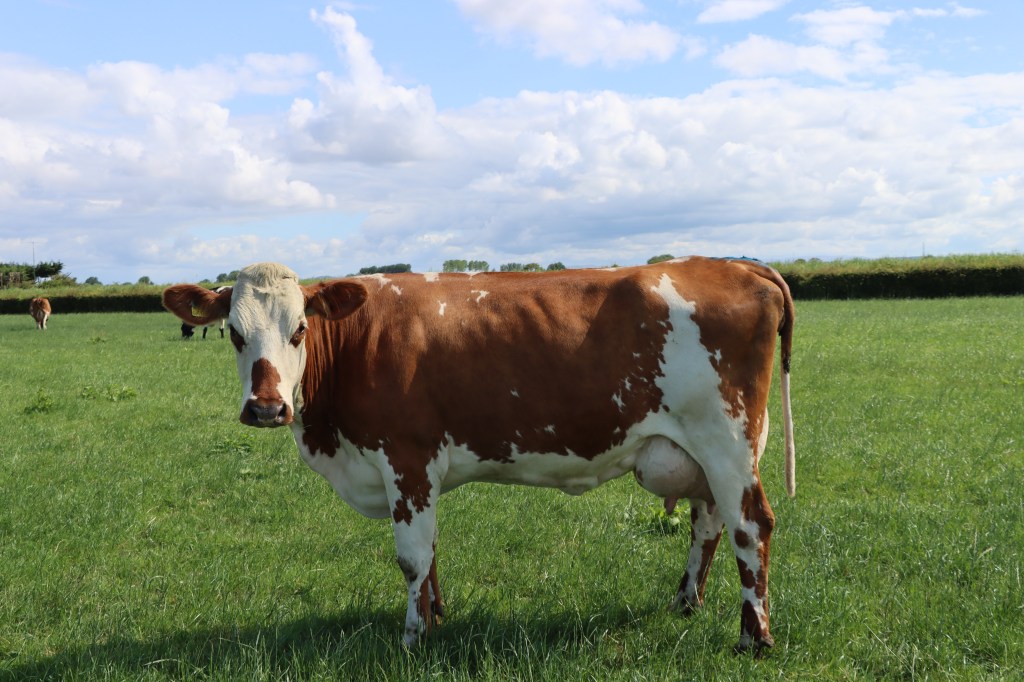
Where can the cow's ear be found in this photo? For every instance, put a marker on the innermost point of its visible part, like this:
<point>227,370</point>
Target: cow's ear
<point>334,300</point>
<point>197,305</point>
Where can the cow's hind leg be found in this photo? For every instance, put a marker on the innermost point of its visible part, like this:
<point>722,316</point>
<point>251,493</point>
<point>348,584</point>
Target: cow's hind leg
<point>705,534</point>
<point>750,524</point>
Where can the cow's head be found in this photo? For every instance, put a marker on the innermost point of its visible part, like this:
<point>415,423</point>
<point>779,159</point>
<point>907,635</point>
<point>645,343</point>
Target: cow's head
<point>266,312</point>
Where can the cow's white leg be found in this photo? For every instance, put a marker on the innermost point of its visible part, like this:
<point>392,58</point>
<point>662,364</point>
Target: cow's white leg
<point>415,547</point>
<point>414,521</point>
<point>705,534</point>
<point>740,503</point>
<point>750,522</point>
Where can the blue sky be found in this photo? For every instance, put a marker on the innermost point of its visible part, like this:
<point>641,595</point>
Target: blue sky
<point>179,140</point>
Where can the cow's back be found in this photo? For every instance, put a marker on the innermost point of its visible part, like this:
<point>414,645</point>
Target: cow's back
<point>507,363</point>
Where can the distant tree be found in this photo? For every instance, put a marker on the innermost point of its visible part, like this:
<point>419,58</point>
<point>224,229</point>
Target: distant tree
<point>455,265</point>
<point>29,271</point>
<point>521,267</point>
<point>462,265</point>
<point>145,280</point>
<point>658,259</point>
<point>93,280</point>
<point>385,269</point>
<point>222,277</point>
<point>48,268</point>
<point>557,266</point>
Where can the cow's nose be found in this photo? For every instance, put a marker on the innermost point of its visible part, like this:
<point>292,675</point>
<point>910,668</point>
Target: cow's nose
<point>259,412</point>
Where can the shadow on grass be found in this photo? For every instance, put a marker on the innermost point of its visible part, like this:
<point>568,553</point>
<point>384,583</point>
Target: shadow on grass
<point>353,642</point>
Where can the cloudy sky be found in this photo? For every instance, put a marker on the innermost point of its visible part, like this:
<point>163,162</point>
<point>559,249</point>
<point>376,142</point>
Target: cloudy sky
<point>180,139</point>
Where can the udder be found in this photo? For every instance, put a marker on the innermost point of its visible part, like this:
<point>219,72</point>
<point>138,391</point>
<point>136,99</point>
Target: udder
<point>668,471</point>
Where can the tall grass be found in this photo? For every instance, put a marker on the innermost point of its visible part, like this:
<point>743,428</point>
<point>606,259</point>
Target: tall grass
<point>145,534</point>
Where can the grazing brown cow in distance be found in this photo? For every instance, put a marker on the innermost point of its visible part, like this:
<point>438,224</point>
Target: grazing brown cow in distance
<point>39,309</point>
<point>398,388</point>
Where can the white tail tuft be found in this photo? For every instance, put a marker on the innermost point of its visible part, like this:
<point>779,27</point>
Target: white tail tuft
<point>787,419</point>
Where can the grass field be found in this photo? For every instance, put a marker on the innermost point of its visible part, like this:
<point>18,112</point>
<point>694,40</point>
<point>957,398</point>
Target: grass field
<point>145,534</point>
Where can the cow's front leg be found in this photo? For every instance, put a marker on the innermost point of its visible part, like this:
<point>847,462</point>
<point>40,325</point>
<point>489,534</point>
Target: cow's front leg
<point>705,534</point>
<point>415,527</point>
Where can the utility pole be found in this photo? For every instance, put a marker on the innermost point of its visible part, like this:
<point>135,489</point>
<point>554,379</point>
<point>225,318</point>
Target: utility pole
<point>33,262</point>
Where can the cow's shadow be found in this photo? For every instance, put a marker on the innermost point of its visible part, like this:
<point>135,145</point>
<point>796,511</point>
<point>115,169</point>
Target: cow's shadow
<point>355,638</point>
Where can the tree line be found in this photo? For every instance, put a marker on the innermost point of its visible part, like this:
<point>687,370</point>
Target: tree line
<point>463,265</point>
<point>26,275</point>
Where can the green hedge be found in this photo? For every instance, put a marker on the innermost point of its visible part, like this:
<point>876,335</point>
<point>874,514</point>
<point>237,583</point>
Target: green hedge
<point>938,282</point>
<point>118,303</point>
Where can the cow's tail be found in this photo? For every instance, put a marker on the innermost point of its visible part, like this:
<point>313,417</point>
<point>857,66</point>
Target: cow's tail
<point>786,336</point>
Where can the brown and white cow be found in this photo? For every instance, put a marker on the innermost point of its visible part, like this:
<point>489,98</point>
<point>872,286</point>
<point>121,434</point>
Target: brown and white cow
<point>398,388</point>
<point>39,309</point>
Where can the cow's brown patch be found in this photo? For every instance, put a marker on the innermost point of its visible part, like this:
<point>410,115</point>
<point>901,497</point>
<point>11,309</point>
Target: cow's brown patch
<point>741,538</point>
<point>401,513</point>
<point>523,368</point>
<point>265,380</point>
<point>755,509</point>
<point>752,625</point>
<point>747,577</point>
<point>739,317</point>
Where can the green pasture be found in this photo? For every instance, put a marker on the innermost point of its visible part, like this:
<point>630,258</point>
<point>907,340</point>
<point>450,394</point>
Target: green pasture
<point>146,535</point>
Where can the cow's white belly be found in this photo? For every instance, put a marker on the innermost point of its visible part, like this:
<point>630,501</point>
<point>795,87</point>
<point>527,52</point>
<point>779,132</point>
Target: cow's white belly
<point>569,473</point>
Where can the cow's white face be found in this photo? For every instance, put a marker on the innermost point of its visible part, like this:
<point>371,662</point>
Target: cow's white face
<point>268,325</point>
<point>266,312</point>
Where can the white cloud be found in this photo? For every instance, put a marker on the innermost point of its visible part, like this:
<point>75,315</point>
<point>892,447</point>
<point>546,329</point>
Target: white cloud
<point>581,32</point>
<point>845,43</point>
<point>842,27</point>
<point>140,163</point>
<point>364,115</point>
<point>720,11</point>
<point>760,55</point>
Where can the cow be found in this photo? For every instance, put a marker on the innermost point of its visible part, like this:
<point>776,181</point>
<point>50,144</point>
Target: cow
<point>399,388</point>
<point>39,309</point>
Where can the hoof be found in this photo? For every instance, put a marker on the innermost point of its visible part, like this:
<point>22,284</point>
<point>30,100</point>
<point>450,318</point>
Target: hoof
<point>683,606</point>
<point>413,635</point>
<point>758,648</point>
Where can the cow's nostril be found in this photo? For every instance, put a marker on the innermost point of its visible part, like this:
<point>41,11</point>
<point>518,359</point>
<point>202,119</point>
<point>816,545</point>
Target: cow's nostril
<point>259,413</point>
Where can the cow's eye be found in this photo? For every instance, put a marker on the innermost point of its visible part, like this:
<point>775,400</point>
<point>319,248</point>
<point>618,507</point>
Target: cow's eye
<point>299,334</point>
<point>236,338</point>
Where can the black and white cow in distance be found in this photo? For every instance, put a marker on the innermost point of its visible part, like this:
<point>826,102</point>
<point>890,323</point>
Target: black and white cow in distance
<point>189,330</point>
